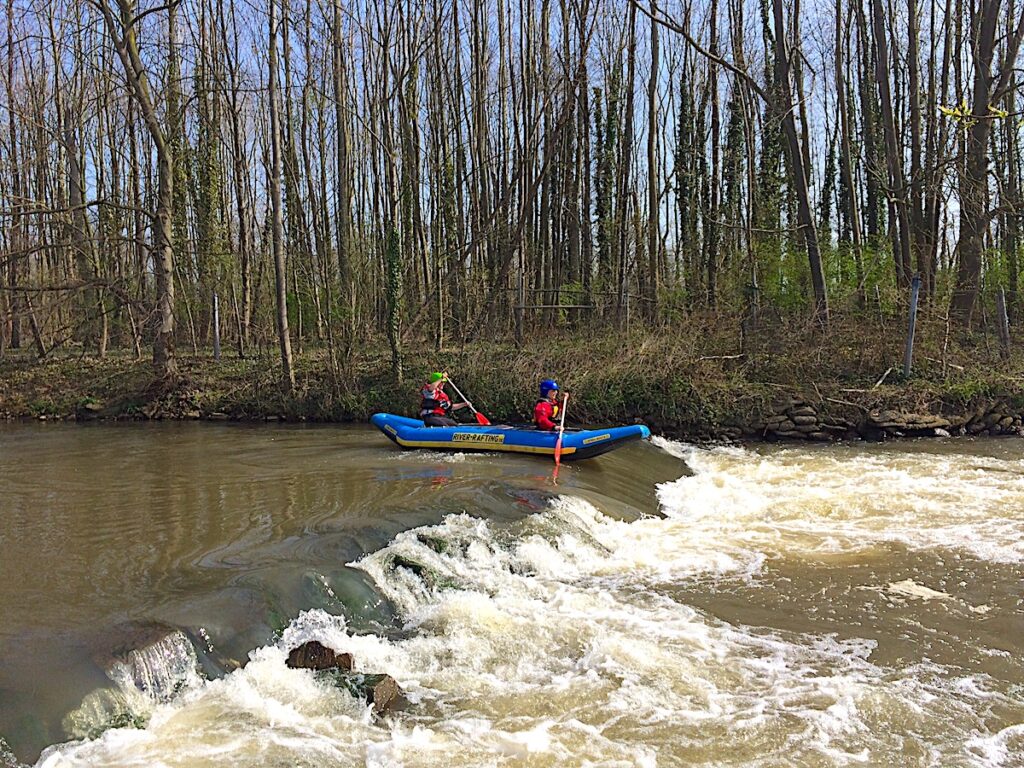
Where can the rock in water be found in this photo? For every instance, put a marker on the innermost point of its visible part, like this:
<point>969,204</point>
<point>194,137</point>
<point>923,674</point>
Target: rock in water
<point>100,711</point>
<point>382,691</point>
<point>154,660</point>
<point>7,758</point>
<point>317,656</point>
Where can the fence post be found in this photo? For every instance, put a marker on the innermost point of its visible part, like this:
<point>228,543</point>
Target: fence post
<point>1004,324</point>
<point>915,289</point>
<point>216,327</point>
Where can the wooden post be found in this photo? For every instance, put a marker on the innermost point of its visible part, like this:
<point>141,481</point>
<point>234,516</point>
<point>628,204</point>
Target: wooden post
<point>1004,324</point>
<point>216,328</point>
<point>915,289</point>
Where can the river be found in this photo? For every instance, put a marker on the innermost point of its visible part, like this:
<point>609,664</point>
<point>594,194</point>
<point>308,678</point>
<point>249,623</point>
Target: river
<point>663,605</point>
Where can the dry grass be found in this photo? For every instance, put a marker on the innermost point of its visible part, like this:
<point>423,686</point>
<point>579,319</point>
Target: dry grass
<point>690,378</point>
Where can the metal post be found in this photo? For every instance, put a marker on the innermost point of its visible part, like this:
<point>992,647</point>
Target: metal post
<point>915,289</point>
<point>521,295</point>
<point>216,328</point>
<point>1004,324</point>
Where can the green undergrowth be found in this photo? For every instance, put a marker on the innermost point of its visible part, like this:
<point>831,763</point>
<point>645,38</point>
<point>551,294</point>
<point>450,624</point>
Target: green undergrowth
<point>689,379</point>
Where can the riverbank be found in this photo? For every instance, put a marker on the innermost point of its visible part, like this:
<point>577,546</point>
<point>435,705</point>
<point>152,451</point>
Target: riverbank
<point>699,383</point>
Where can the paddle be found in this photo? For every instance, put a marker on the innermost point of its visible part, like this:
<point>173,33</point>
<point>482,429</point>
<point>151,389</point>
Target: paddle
<point>561,431</point>
<point>480,418</point>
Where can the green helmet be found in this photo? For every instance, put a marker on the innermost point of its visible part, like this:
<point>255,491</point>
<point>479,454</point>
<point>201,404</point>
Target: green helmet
<point>435,376</point>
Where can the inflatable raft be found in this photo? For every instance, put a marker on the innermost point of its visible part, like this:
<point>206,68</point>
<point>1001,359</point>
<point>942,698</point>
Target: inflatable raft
<point>576,444</point>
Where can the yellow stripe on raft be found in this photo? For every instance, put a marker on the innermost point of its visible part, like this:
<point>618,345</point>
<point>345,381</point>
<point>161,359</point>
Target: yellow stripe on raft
<point>475,446</point>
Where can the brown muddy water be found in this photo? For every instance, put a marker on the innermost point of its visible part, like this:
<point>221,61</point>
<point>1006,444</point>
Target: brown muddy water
<point>662,605</point>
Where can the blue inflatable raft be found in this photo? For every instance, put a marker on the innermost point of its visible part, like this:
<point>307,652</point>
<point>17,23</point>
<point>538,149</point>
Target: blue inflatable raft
<point>576,444</point>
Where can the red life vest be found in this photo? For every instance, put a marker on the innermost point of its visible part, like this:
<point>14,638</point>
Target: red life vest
<point>435,402</point>
<point>545,413</point>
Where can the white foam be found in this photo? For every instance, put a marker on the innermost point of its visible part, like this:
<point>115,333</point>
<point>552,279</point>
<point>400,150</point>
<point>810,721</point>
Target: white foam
<point>1003,748</point>
<point>551,640</point>
<point>426,456</point>
<point>799,501</point>
<point>910,588</point>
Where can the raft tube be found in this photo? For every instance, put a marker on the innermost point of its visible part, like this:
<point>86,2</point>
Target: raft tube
<point>576,444</point>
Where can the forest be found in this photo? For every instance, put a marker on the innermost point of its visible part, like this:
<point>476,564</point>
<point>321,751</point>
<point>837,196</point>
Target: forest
<point>335,176</point>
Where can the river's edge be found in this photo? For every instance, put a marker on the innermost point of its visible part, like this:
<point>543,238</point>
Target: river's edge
<point>698,402</point>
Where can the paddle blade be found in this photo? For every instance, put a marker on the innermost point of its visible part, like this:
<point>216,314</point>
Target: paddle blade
<point>482,420</point>
<point>561,432</point>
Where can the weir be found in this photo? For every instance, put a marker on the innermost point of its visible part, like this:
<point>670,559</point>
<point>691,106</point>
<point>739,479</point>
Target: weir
<point>666,604</point>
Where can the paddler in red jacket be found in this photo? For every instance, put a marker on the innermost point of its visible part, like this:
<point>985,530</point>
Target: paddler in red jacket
<point>436,407</point>
<point>545,413</point>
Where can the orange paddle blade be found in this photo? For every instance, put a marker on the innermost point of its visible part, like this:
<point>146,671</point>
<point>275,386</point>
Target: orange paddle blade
<point>482,420</point>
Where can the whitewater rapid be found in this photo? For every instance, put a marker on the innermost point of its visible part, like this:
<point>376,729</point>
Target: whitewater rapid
<point>570,637</point>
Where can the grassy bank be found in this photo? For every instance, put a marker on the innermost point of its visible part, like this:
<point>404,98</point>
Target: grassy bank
<point>697,380</point>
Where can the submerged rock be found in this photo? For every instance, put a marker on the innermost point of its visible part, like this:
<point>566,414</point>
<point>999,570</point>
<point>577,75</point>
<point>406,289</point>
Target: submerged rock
<point>153,659</point>
<point>316,656</point>
<point>100,711</point>
<point>7,758</point>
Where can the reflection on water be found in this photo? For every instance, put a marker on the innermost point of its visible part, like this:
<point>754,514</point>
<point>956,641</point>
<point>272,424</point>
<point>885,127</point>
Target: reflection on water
<point>814,605</point>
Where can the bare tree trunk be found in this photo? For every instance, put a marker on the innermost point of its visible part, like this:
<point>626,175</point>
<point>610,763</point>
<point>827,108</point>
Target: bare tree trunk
<point>974,198</point>
<point>80,234</point>
<point>805,218</point>
<point>653,194</point>
<point>846,158</point>
<point>122,33</point>
<point>240,170</point>
<point>280,276</point>
<point>866,92</point>
<point>625,164</point>
<point>897,191</point>
<point>918,236</point>
<point>715,180</point>
<point>1011,220</point>
<point>343,225</point>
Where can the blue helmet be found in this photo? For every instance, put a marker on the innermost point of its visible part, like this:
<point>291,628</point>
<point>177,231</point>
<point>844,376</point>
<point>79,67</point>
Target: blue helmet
<point>546,385</point>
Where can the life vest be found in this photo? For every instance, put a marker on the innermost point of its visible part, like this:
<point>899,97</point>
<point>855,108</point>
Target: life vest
<point>434,403</point>
<point>537,415</point>
<point>554,406</point>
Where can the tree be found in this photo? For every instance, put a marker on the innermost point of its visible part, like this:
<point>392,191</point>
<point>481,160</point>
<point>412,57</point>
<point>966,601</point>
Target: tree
<point>988,89</point>
<point>277,213</point>
<point>897,191</point>
<point>782,103</point>
<point>122,33</point>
